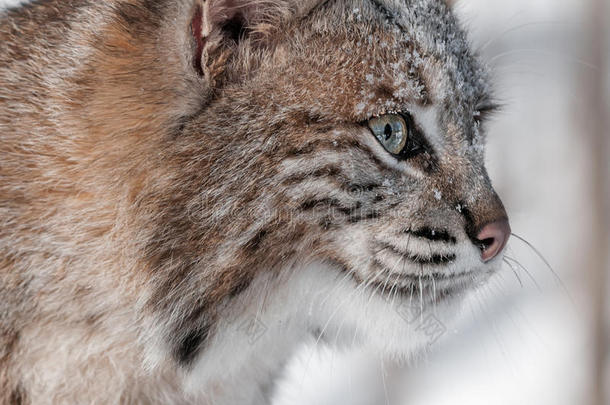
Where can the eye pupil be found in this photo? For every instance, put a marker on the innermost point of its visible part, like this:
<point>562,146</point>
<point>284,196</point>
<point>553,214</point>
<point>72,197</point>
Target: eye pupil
<point>387,131</point>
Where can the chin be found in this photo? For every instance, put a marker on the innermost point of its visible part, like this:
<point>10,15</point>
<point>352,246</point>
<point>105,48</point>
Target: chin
<point>395,319</point>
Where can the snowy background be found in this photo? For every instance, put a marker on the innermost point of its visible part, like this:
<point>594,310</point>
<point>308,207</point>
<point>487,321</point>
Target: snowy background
<point>537,341</point>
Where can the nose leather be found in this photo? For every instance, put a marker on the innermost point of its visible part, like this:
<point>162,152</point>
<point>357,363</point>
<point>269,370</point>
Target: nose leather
<point>493,238</point>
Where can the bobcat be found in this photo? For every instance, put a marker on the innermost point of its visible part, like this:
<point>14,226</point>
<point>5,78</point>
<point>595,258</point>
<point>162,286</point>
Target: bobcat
<point>191,188</point>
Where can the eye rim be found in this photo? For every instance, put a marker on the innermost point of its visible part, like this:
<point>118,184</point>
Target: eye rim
<point>414,145</point>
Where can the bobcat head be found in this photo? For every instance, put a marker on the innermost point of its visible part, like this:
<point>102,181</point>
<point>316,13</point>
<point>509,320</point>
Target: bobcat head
<point>342,145</point>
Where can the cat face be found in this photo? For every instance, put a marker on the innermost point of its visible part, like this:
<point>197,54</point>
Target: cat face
<point>354,139</point>
<point>406,217</point>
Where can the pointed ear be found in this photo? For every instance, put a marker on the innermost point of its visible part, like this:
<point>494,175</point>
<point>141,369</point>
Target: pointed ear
<point>218,27</point>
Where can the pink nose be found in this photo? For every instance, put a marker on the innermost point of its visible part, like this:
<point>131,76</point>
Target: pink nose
<point>493,238</point>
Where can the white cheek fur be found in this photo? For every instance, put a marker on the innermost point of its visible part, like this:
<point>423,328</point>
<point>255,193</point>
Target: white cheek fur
<point>276,315</point>
<point>427,119</point>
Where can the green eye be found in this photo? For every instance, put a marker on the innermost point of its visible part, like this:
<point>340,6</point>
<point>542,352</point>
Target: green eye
<point>391,131</point>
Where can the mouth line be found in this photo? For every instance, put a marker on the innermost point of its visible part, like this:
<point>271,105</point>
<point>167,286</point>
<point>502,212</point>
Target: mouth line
<point>433,286</point>
<point>433,259</point>
<point>435,277</point>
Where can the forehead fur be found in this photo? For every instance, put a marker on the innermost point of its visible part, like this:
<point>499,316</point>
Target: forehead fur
<point>433,41</point>
<point>375,56</point>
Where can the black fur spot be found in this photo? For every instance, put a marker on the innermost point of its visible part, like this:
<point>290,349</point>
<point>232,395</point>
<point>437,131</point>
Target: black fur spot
<point>190,345</point>
<point>434,235</point>
<point>18,396</point>
<point>254,243</point>
<point>329,203</point>
<point>241,286</point>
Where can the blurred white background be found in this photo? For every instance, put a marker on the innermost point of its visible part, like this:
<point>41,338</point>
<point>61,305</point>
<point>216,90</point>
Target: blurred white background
<point>538,340</point>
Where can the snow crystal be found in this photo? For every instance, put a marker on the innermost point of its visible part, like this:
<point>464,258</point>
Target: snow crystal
<point>360,108</point>
<point>389,187</point>
<point>437,194</point>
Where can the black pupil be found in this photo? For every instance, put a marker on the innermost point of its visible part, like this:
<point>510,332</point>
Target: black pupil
<point>387,131</point>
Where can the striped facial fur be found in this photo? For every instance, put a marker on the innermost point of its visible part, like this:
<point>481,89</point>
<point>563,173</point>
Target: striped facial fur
<point>298,176</point>
<point>212,163</point>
